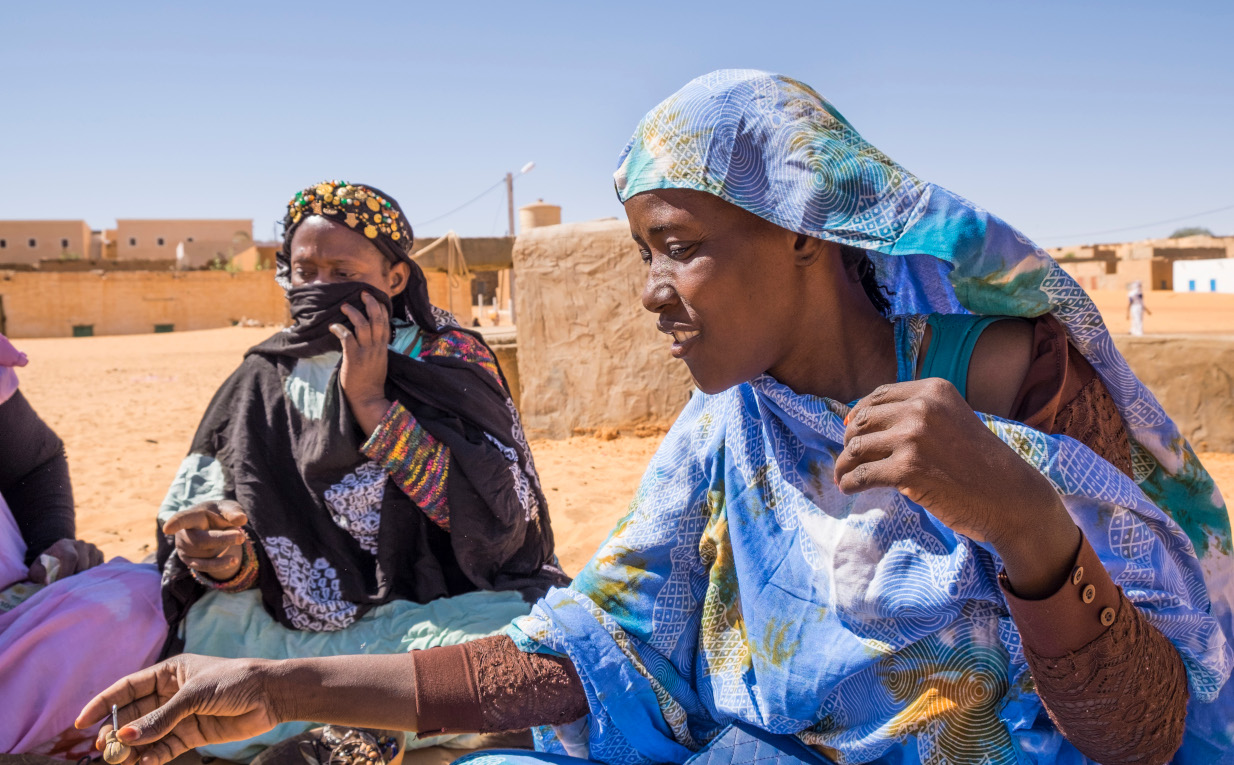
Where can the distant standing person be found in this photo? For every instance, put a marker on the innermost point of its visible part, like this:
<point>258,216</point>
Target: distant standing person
<point>1136,308</point>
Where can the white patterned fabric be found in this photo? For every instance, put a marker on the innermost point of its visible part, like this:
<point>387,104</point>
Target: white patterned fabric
<point>312,598</point>
<point>355,503</point>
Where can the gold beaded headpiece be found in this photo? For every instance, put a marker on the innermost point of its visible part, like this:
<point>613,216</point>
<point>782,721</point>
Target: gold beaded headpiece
<point>362,208</point>
<point>372,213</point>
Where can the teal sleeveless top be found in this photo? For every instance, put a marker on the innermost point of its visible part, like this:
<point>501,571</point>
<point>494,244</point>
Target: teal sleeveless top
<point>952,340</point>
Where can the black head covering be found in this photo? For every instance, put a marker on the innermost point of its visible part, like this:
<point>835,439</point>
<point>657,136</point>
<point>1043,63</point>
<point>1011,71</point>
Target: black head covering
<point>283,466</point>
<point>378,217</point>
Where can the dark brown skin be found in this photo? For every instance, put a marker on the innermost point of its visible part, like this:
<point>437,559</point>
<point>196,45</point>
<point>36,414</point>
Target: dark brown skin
<point>209,536</point>
<point>763,299</point>
<point>75,556</point>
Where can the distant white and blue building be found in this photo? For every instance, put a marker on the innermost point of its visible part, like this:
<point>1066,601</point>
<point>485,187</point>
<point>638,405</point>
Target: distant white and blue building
<point>1204,275</point>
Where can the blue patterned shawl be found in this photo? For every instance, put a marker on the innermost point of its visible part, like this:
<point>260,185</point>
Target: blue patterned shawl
<point>743,585</point>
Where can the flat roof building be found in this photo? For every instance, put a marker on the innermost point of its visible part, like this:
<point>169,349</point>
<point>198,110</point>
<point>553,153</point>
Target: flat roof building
<point>26,242</point>
<point>156,239</point>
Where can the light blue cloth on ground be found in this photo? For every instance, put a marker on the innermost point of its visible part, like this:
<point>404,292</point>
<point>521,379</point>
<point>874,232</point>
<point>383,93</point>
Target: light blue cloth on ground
<point>235,625</point>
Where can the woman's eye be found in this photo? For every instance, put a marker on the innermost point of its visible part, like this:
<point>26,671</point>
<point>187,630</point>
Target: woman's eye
<point>679,250</point>
<point>645,255</point>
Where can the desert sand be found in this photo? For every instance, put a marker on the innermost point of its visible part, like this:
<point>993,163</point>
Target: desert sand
<point>1173,313</point>
<point>127,407</point>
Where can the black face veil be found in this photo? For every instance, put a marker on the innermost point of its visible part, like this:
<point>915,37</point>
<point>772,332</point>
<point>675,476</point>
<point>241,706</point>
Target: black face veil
<point>378,217</point>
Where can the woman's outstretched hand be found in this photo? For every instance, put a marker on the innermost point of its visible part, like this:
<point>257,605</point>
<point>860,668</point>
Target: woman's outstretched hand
<point>185,702</point>
<point>924,440</point>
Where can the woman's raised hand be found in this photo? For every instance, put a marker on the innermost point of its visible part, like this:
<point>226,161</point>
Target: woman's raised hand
<point>210,537</point>
<point>363,373</point>
<point>923,439</point>
<point>185,702</point>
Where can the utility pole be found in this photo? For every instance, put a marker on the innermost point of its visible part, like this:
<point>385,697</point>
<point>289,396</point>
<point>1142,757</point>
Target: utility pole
<point>510,201</point>
<point>527,168</point>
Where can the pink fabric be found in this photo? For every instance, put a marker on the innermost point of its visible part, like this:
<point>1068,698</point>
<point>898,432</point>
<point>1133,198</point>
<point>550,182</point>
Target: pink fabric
<point>13,567</point>
<point>68,642</point>
<point>9,357</point>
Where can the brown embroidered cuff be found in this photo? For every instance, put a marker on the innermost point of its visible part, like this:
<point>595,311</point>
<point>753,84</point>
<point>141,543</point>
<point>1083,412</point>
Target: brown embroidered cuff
<point>446,695</point>
<point>1076,615</point>
<point>489,685</point>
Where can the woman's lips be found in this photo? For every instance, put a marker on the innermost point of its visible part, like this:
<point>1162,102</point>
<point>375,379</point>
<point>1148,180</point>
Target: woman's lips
<point>683,341</point>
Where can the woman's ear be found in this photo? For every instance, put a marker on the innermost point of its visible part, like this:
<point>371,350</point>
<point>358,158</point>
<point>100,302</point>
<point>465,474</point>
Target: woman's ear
<point>807,249</point>
<point>400,273</point>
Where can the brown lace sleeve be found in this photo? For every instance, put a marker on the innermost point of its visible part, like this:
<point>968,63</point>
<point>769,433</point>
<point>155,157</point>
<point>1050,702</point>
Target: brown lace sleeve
<point>489,686</point>
<point>1110,681</point>
<point>1062,394</point>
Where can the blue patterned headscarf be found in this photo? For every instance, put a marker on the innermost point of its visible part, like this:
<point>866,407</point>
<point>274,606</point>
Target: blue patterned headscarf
<point>743,586</point>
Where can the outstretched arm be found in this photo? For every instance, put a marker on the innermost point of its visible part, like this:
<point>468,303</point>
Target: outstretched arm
<point>191,701</point>
<point>486,685</point>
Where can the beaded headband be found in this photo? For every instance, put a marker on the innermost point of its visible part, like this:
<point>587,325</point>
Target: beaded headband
<point>378,217</point>
<point>360,208</point>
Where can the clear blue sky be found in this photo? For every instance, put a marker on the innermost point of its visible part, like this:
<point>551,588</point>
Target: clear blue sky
<point>1062,117</point>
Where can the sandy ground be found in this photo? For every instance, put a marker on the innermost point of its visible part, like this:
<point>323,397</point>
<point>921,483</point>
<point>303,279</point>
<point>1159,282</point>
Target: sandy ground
<point>1172,312</point>
<point>127,407</point>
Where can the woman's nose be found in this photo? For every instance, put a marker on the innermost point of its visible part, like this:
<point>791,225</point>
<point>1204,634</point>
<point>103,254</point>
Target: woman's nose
<point>658,293</point>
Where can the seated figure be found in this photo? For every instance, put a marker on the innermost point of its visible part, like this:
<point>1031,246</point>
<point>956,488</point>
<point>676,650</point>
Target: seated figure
<point>920,510</point>
<point>361,483</point>
<point>69,623</point>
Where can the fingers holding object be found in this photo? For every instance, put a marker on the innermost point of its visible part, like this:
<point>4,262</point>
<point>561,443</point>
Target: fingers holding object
<point>88,556</point>
<point>359,320</point>
<point>379,317</point>
<point>865,462</point>
<point>218,566</point>
<point>128,690</point>
<point>221,514</point>
<point>347,338</point>
<point>202,543</point>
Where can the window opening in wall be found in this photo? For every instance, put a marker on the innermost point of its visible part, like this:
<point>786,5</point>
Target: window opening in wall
<point>160,241</point>
<point>4,243</point>
<point>161,328</point>
<point>32,242</point>
<point>1163,285</point>
<point>190,238</point>
<point>132,241</point>
<point>1212,285</point>
<point>83,330</point>
<point>64,244</point>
